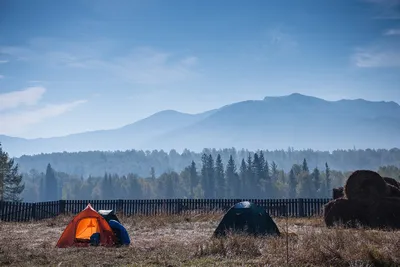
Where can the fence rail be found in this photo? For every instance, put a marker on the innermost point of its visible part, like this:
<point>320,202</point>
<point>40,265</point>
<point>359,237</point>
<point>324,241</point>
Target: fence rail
<point>22,212</point>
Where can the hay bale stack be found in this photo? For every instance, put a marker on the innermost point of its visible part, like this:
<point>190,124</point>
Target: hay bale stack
<point>346,212</point>
<point>368,200</point>
<point>365,185</point>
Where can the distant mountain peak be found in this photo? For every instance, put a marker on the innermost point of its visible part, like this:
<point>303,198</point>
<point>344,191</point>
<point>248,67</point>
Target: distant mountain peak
<point>167,112</point>
<point>297,95</point>
<point>294,97</point>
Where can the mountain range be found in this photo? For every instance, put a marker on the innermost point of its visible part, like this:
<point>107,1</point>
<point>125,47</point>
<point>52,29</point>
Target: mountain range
<point>294,120</point>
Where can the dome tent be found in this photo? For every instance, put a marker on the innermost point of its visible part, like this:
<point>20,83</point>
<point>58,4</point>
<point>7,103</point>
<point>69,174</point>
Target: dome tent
<point>85,224</point>
<point>246,217</point>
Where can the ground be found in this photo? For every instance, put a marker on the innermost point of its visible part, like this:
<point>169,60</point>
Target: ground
<point>186,241</point>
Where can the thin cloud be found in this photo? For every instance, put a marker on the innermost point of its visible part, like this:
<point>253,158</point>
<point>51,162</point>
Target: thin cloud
<point>153,68</point>
<point>27,97</point>
<point>142,65</point>
<point>19,53</point>
<point>392,32</point>
<point>3,61</point>
<point>15,123</point>
<point>1,77</point>
<point>376,59</point>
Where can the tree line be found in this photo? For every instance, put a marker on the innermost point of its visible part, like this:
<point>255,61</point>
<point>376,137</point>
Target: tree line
<point>252,177</point>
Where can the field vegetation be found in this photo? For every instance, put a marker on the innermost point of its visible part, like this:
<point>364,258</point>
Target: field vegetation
<point>186,241</point>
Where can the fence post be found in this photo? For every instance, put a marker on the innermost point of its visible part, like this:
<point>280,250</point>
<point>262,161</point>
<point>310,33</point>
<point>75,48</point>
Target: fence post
<point>1,209</point>
<point>300,207</point>
<point>34,211</point>
<point>61,206</point>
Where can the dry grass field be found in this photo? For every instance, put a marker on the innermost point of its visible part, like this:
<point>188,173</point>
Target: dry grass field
<point>186,241</point>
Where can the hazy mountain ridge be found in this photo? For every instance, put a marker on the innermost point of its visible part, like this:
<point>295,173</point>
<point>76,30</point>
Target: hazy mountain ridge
<point>275,122</point>
<point>295,120</point>
<point>126,137</point>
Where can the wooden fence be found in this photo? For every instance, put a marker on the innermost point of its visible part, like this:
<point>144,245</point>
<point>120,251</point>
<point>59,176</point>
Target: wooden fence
<point>21,212</point>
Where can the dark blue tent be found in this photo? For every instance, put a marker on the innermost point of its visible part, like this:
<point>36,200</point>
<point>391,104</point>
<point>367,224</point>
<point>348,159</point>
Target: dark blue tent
<point>246,217</point>
<point>120,232</point>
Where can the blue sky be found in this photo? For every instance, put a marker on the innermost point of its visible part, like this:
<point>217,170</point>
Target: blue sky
<point>79,65</point>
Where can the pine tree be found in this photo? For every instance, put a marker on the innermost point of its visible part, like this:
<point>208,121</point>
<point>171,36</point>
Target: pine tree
<point>296,169</point>
<point>105,188</point>
<point>262,165</point>
<point>219,178</point>
<point>249,182</point>
<point>328,179</point>
<point>257,169</point>
<point>11,185</point>
<point>305,182</point>
<point>204,174</point>
<point>267,171</point>
<point>211,177</point>
<point>258,172</point>
<point>317,181</point>
<point>268,183</point>
<point>193,178</point>
<point>305,166</point>
<point>243,175</point>
<point>274,171</point>
<point>152,173</point>
<point>233,182</point>
<point>292,184</point>
<point>50,184</point>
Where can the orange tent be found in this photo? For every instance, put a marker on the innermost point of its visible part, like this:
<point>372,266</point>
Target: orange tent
<point>82,226</point>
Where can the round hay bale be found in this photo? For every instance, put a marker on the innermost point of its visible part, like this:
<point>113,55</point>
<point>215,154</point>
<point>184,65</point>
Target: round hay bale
<point>349,213</point>
<point>385,214</point>
<point>392,182</point>
<point>365,185</point>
